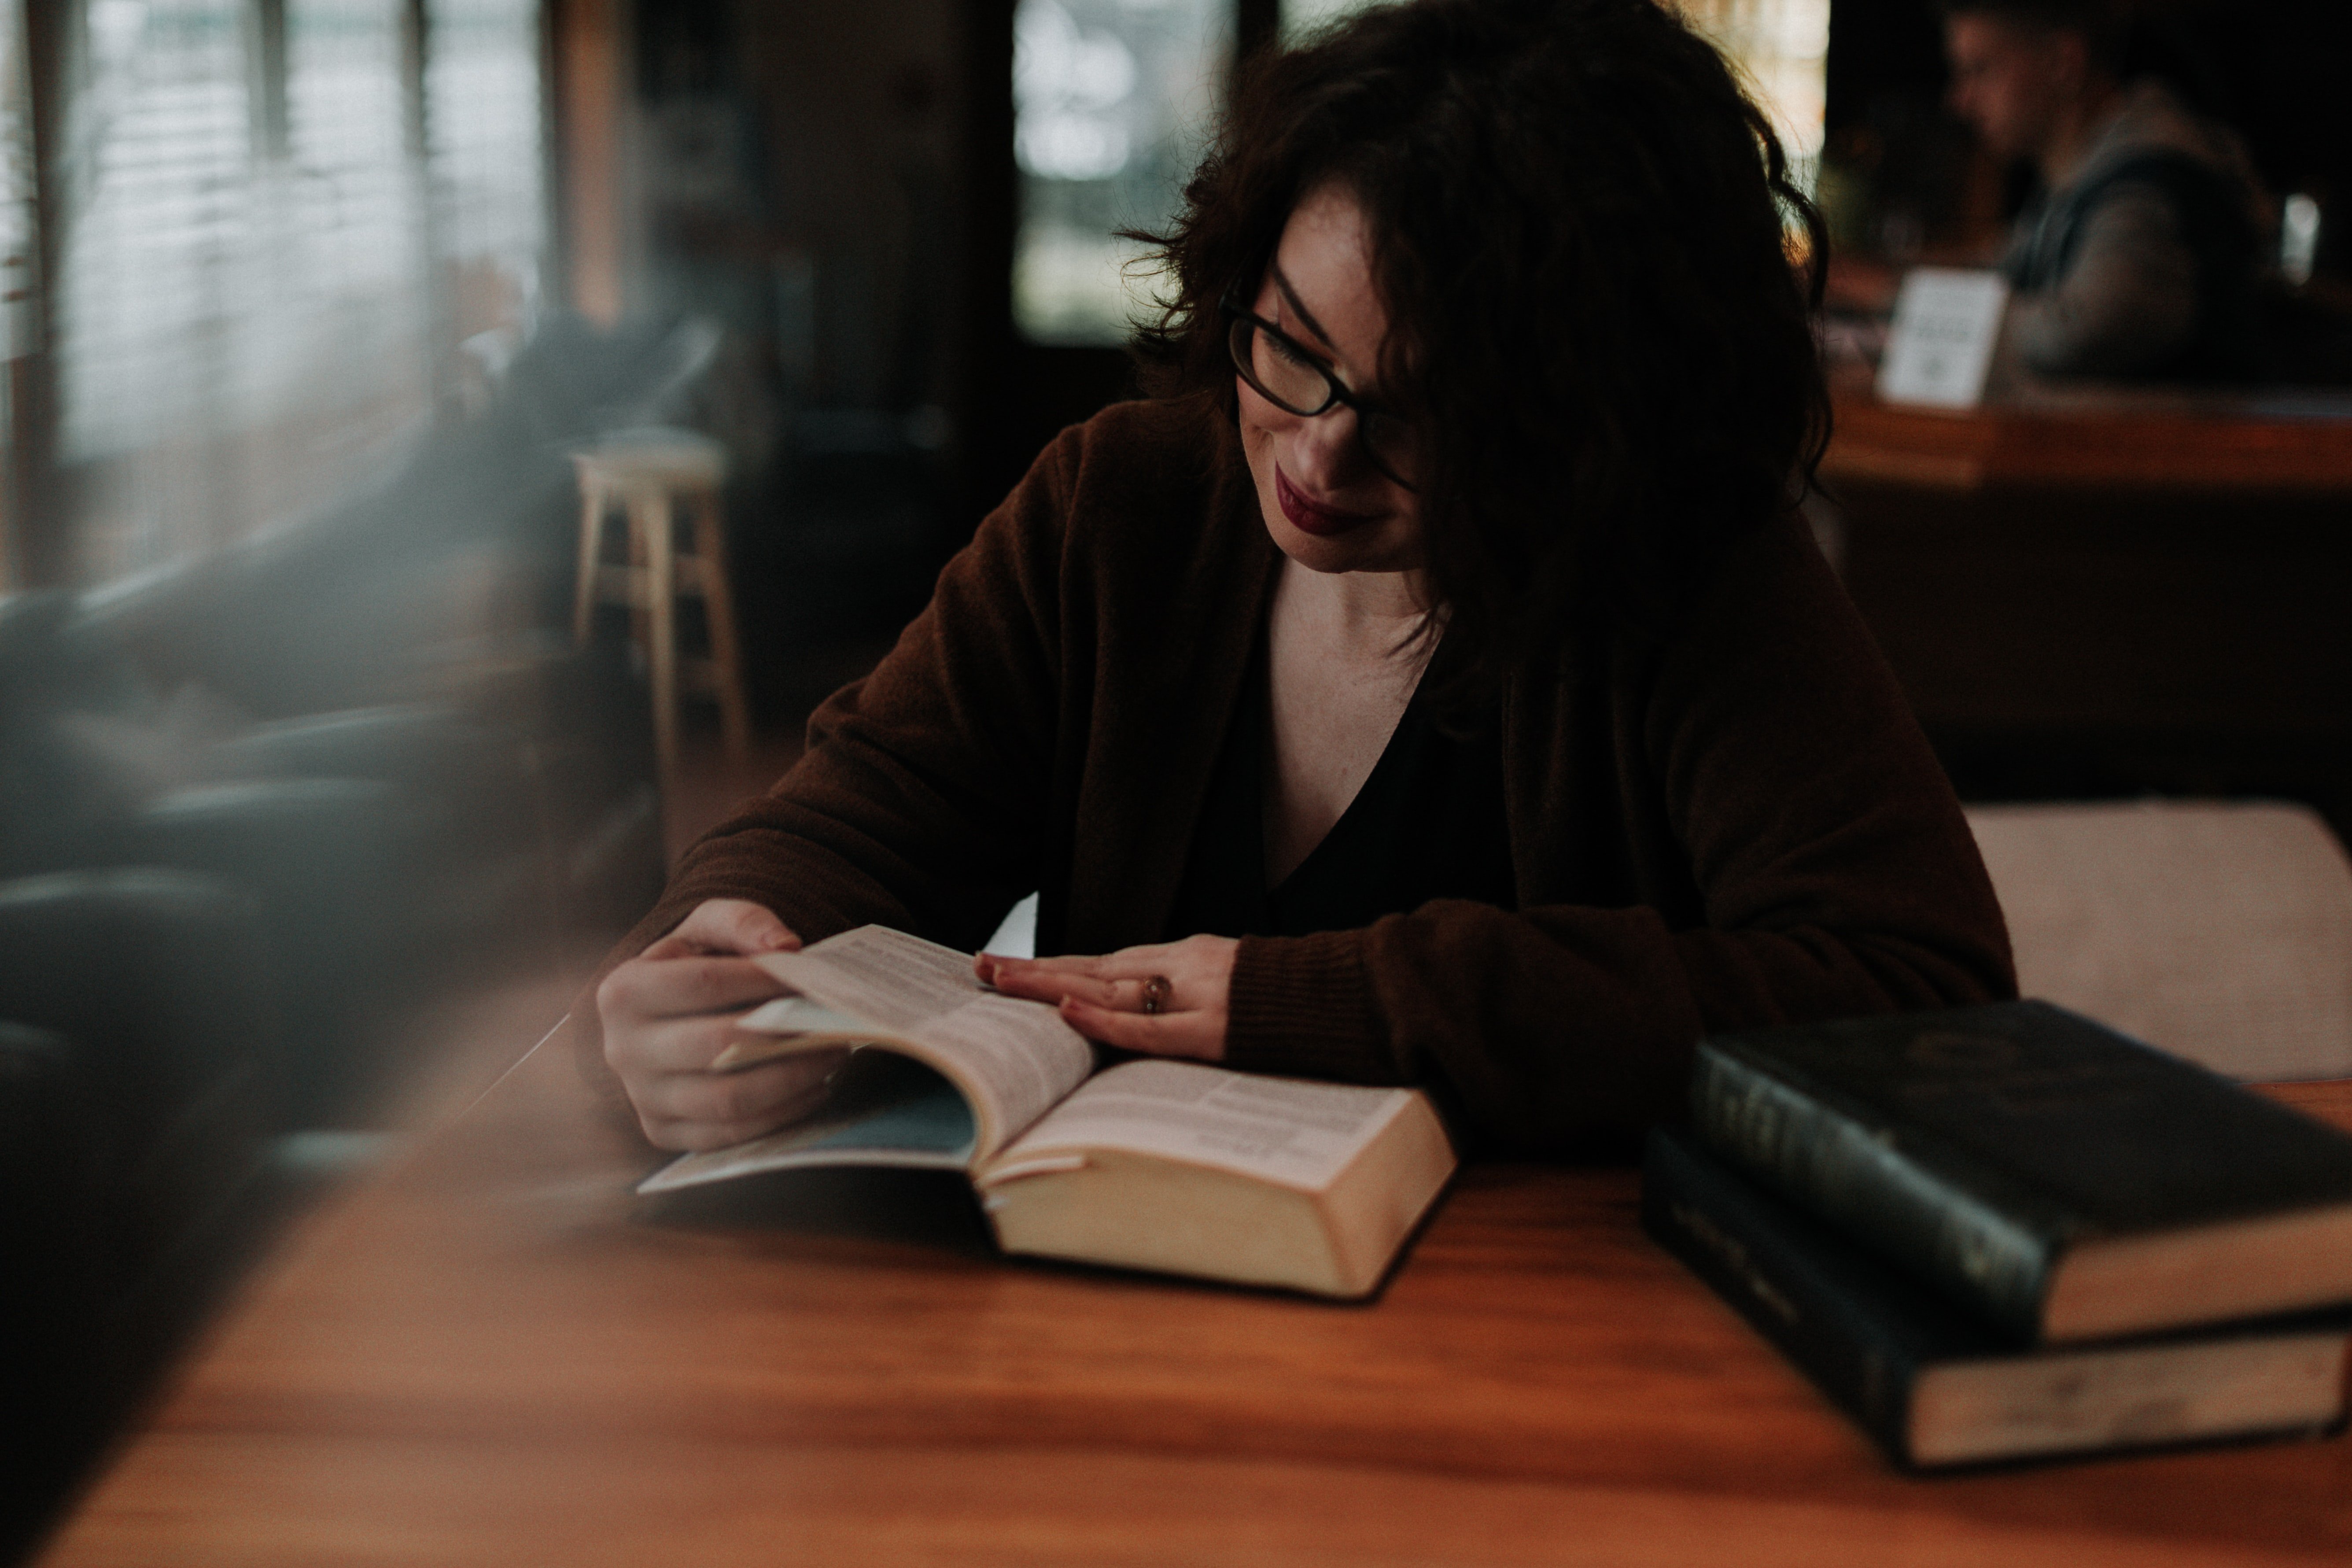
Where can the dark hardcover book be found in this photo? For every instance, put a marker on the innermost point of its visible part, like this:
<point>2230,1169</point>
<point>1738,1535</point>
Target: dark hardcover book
<point>2065,1180</point>
<point>1936,1386</point>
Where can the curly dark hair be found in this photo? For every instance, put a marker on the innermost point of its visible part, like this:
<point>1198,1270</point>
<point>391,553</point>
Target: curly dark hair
<point>1582,232</point>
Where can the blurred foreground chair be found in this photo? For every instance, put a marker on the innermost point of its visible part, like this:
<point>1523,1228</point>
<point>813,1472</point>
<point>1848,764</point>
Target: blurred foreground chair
<point>2222,932</point>
<point>647,475</point>
<point>135,1037</point>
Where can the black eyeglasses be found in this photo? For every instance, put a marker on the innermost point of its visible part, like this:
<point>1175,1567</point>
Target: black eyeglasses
<point>1296,382</point>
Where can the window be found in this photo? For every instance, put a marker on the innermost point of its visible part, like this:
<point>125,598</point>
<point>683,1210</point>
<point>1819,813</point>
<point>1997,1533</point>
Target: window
<point>1300,17</point>
<point>156,215</point>
<point>1781,47</point>
<point>1111,100</point>
<point>485,146</point>
<point>18,239</point>
<point>274,229</point>
<point>17,233</point>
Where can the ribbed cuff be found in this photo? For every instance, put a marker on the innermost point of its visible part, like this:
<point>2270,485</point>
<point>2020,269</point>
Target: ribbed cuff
<point>1302,1007</point>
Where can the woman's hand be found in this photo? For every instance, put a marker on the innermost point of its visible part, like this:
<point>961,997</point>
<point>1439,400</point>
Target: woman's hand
<point>670,1011</point>
<point>1106,998</point>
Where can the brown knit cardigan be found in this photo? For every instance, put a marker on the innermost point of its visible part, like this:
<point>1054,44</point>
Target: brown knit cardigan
<point>1736,826</point>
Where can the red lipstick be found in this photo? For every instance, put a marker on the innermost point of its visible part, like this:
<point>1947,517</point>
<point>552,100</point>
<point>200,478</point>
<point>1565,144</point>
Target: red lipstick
<point>1314,517</point>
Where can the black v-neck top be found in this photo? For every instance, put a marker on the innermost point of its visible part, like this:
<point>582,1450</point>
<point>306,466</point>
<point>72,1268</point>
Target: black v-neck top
<point>1428,822</point>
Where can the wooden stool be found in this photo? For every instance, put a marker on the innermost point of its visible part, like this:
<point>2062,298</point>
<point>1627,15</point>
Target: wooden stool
<point>647,474</point>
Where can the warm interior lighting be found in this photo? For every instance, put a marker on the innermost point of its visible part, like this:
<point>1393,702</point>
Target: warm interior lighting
<point>1781,47</point>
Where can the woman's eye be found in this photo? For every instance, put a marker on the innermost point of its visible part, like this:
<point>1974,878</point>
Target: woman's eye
<point>1286,350</point>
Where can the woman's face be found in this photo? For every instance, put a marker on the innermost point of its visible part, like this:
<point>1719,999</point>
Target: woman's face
<point>1328,507</point>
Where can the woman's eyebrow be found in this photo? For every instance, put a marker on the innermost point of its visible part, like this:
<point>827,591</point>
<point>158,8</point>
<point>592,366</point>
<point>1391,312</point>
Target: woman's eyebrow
<point>1290,296</point>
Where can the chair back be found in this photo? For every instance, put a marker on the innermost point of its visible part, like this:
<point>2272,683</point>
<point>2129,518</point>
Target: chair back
<point>2219,932</point>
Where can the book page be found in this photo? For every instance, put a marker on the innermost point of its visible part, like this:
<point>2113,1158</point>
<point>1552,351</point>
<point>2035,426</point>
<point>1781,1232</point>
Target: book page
<point>1277,1130</point>
<point>882,977</point>
<point>1013,1059</point>
<point>789,1015</point>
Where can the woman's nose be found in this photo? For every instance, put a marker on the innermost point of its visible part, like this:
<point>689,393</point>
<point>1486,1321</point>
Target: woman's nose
<point>1325,452</point>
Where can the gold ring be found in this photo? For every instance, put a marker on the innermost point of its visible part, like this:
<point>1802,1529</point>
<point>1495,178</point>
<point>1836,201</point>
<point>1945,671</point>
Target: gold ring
<point>1156,992</point>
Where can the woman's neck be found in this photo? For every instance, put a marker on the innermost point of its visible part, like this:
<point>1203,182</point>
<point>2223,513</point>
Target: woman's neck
<point>1342,663</point>
<point>1355,610</point>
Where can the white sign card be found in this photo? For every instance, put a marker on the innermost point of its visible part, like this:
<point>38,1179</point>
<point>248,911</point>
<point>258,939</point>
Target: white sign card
<point>1946,322</point>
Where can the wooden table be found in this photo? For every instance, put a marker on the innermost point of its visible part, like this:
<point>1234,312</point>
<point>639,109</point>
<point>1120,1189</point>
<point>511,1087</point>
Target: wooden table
<point>494,1355</point>
<point>2101,437</point>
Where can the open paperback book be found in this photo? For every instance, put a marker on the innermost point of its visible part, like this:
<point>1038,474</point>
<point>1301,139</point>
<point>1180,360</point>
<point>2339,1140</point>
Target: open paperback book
<point>1158,1164</point>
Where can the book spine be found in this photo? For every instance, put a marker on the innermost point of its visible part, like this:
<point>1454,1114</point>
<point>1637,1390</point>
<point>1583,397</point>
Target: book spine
<point>1697,1211</point>
<point>1859,1174</point>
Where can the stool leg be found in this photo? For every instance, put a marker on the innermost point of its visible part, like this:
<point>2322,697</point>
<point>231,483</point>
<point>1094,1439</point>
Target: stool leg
<point>640,599</point>
<point>649,519</point>
<point>719,606</point>
<point>591,540</point>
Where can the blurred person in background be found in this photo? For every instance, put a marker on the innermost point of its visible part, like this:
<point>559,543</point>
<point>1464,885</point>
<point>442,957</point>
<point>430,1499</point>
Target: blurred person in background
<point>2140,252</point>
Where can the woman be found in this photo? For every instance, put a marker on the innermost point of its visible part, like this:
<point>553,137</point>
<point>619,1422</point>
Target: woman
<point>1435,683</point>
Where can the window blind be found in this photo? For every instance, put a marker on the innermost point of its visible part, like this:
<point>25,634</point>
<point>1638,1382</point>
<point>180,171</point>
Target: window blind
<point>485,137</point>
<point>277,218</point>
<point>156,221</point>
<point>18,269</point>
<point>17,231</point>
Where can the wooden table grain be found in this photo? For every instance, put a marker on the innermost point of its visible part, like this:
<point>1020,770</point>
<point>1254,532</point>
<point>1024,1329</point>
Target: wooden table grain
<point>493,1354</point>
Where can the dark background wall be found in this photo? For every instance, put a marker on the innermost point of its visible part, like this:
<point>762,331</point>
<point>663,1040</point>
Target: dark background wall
<point>836,184</point>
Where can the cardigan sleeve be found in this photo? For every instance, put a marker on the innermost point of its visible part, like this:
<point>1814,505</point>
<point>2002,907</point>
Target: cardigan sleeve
<point>1764,754</point>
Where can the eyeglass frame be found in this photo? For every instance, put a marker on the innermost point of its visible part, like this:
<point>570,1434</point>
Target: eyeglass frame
<point>1366,409</point>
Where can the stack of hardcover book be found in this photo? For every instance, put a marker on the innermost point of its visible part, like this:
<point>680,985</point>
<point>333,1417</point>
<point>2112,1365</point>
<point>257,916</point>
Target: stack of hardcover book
<point>2009,1232</point>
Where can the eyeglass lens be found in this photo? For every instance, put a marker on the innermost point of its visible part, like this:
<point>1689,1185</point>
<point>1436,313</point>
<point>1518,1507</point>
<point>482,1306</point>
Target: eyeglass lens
<point>1293,382</point>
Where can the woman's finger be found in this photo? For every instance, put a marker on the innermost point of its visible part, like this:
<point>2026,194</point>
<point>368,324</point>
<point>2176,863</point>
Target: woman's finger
<point>1040,984</point>
<point>1130,963</point>
<point>688,1043</point>
<point>1125,962</point>
<point>1199,1035</point>
<point>673,987</point>
<point>773,1091</point>
<point>993,969</point>
<point>737,926</point>
<point>687,1137</point>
